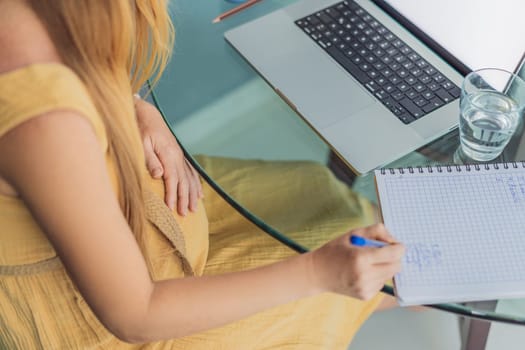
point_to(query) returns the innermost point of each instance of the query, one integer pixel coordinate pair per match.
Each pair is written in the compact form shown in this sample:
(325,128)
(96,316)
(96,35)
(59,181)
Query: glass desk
(217,105)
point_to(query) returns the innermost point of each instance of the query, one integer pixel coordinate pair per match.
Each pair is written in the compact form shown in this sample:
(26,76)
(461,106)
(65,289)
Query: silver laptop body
(359,128)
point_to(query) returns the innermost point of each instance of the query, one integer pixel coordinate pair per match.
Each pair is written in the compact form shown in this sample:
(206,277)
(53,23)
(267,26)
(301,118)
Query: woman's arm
(56,165)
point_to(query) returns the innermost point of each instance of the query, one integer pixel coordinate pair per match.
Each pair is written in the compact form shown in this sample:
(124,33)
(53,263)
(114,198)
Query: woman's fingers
(193,190)
(153,163)
(171,175)
(196,178)
(182,185)
(377,232)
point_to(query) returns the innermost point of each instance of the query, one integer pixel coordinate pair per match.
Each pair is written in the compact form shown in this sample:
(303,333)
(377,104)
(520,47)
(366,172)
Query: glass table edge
(454,308)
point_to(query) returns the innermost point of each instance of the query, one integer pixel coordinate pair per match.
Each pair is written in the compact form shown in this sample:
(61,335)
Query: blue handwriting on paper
(423,255)
(515,185)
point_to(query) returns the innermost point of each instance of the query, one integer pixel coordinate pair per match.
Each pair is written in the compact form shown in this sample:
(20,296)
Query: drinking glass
(491,105)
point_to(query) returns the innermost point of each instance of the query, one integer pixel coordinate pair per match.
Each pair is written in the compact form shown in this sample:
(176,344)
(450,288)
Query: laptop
(377,79)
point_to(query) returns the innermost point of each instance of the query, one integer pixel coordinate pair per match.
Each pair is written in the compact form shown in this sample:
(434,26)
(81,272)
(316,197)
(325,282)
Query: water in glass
(487,121)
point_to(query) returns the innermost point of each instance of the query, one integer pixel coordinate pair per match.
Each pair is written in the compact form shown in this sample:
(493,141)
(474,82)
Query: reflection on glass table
(218,106)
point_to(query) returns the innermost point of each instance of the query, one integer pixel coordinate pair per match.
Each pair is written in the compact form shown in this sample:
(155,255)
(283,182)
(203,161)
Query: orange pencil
(235,10)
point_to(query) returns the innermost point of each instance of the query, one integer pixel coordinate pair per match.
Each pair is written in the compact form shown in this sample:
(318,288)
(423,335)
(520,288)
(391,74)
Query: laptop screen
(479,33)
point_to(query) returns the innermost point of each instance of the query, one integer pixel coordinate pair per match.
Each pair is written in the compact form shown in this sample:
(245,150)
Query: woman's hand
(360,272)
(164,158)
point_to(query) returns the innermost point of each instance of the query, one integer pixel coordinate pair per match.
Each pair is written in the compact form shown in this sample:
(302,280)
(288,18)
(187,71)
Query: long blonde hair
(114,46)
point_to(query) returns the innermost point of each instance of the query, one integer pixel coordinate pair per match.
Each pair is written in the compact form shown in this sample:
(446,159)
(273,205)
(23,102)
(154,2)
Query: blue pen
(365,242)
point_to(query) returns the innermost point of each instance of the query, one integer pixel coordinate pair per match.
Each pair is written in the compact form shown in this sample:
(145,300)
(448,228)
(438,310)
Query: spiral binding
(452,168)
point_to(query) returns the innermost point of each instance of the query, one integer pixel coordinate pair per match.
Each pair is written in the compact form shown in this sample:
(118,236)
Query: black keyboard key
(430,70)
(354,70)
(372,86)
(325,44)
(370,58)
(419,87)
(381,94)
(412,108)
(395,66)
(309,30)
(379,65)
(382,44)
(365,67)
(421,101)
(340,7)
(416,72)
(367,18)
(398,95)
(321,27)
(379,52)
(333,12)
(400,58)
(428,95)
(402,73)
(405,50)
(406,118)
(447,85)
(328,34)
(349,53)
(323,17)
(313,20)
(373,74)
(351,5)
(357,60)
(302,23)
(425,79)
(444,95)
(335,40)
(370,46)
(435,103)
(389,88)
(382,81)
(455,91)
(346,38)
(414,57)
(394,79)
(389,103)
(392,51)
(382,30)
(398,43)
(316,36)
(408,65)
(403,86)
(389,36)
(387,72)
(411,80)
(422,64)
(387,60)
(411,94)
(439,78)
(433,86)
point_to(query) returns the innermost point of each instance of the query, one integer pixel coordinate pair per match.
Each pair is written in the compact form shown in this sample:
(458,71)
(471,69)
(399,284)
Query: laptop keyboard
(401,79)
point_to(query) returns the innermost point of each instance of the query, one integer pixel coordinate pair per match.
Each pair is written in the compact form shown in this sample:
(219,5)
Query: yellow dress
(40,307)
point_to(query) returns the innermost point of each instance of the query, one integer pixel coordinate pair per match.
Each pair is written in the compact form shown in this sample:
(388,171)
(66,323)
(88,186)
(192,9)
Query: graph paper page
(464,232)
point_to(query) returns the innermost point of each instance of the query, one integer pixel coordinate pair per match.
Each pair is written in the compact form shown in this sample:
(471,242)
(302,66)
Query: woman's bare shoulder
(23,38)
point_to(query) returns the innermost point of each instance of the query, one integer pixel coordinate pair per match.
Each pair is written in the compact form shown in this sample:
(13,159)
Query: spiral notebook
(463,228)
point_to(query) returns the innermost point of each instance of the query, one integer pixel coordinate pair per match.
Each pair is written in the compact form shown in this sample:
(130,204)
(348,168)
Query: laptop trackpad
(328,96)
